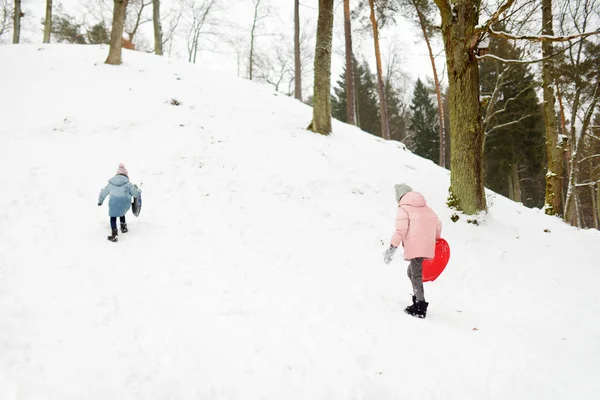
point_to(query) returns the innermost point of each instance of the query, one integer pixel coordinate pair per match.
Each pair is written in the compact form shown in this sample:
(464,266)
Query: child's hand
(389,254)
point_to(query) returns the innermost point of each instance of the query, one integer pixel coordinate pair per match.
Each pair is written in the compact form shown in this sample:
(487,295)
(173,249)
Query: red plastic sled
(433,268)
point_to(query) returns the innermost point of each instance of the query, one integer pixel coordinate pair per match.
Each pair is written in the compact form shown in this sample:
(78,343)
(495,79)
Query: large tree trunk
(350,97)
(48,22)
(466,125)
(297,61)
(158,34)
(438,91)
(17,22)
(321,122)
(385,129)
(554,146)
(116,34)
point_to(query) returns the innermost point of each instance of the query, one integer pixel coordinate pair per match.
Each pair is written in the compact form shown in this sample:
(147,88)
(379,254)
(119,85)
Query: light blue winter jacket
(121,191)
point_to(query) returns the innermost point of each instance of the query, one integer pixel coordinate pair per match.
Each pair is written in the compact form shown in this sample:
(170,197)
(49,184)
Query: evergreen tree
(98,34)
(424,124)
(514,144)
(396,113)
(367,109)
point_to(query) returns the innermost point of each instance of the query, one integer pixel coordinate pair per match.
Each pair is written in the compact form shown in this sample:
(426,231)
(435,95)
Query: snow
(255,269)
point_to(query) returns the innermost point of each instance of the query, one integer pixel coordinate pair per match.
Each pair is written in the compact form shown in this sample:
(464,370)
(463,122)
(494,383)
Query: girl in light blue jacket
(121,191)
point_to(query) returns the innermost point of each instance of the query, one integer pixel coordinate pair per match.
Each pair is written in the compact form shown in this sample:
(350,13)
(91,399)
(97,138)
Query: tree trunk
(436,80)
(594,206)
(511,187)
(554,146)
(385,129)
(297,61)
(48,22)
(251,57)
(116,34)
(17,22)
(516,183)
(158,34)
(466,125)
(350,97)
(598,204)
(321,122)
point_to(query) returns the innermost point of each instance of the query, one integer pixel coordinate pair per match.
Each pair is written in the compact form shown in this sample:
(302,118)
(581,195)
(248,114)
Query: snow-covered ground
(255,270)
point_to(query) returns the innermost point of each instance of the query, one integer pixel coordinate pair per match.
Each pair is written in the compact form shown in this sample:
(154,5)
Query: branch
(508,102)
(588,157)
(587,184)
(507,124)
(497,86)
(495,16)
(541,38)
(495,57)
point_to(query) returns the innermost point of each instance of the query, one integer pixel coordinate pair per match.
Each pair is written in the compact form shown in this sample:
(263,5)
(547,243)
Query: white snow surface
(255,269)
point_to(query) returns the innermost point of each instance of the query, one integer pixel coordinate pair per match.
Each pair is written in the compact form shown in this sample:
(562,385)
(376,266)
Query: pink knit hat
(122,170)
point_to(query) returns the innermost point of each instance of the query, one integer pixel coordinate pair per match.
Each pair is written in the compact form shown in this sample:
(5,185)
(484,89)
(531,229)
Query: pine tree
(397,113)
(514,143)
(367,108)
(424,123)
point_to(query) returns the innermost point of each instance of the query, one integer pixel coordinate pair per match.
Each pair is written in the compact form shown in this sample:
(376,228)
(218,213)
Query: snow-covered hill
(255,268)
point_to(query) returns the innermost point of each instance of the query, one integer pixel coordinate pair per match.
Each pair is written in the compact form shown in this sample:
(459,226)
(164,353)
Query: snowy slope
(255,268)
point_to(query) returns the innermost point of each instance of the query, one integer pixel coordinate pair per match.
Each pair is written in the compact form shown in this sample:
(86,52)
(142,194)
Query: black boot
(124,228)
(113,237)
(412,308)
(421,309)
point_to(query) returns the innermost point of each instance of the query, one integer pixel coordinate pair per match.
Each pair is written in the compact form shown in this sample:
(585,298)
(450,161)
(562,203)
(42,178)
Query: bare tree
(136,18)
(385,128)
(580,77)
(17,22)
(261,11)
(201,23)
(173,18)
(116,35)
(48,22)
(321,122)
(277,65)
(277,70)
(350,95)
(297,59)
(6,12)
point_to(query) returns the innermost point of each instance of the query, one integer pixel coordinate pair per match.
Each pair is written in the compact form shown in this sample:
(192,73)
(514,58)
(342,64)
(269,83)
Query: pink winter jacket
(417,227)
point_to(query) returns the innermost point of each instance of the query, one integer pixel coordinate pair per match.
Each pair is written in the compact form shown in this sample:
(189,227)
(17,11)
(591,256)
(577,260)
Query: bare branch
(508,102)
(510,61)
(541,38)
(507,124)
(495,16)
(589,157)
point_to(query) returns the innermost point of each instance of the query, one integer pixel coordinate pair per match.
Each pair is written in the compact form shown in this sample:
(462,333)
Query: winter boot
(113,237)
(421,309)
(412,308)
(124,228)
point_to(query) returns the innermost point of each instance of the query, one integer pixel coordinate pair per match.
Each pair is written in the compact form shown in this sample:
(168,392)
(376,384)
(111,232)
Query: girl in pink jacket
(417,228)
